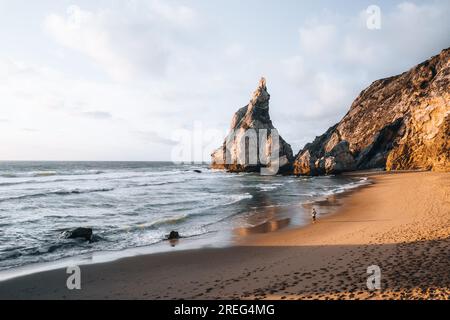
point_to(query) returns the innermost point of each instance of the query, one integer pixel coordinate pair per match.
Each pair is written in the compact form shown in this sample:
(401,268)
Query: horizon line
(174,162)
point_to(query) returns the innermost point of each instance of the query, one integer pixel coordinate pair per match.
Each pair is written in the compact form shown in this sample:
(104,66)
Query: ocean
(136,204)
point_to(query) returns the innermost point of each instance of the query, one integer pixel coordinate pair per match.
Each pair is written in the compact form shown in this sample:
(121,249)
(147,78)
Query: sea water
(136,204)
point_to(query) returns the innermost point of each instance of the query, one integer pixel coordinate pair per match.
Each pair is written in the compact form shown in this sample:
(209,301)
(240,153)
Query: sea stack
(253,144)
(397,123)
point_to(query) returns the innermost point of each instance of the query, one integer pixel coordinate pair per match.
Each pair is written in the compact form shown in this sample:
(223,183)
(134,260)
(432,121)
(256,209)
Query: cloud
(317,39)
(100,115)
(135,39)
(156,138)
(13,68)
(234,50)
(295,69)
(176,15)
(85,32)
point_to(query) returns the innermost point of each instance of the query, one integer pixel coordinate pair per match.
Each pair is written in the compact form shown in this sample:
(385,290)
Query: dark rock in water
(241,153)
(95,238)
(397,123)
(198,171)
(173,235)
(79,233)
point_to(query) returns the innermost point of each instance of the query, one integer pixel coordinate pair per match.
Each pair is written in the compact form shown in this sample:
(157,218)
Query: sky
(135,80)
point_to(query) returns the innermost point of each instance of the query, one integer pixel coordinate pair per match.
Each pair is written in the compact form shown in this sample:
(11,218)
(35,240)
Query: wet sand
(401,224)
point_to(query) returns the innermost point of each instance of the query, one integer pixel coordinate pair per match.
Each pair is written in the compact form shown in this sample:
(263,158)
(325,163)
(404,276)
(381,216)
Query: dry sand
(401,224)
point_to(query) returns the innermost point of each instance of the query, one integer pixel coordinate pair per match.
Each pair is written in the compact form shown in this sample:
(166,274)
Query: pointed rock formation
(398,123)
(253,142)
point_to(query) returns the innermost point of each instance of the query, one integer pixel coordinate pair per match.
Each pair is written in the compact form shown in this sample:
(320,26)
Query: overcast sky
(118,80)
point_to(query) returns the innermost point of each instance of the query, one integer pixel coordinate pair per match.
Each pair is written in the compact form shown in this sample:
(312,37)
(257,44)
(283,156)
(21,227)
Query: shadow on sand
(408,270)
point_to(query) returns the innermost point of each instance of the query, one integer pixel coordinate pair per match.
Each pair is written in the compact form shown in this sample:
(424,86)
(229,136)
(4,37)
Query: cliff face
(253,142)
(398,123)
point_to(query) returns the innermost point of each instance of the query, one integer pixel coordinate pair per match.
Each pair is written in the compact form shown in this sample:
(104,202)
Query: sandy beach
(400,223)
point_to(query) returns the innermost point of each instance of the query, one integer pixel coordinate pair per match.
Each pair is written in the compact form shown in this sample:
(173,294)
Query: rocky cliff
(253,143)
(397,123)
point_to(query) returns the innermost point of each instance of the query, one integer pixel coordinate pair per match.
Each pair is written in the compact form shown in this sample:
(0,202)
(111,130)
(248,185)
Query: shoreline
(326,260)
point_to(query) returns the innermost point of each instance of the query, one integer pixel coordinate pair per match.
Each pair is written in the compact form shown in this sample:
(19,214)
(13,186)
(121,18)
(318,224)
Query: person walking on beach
(313,214)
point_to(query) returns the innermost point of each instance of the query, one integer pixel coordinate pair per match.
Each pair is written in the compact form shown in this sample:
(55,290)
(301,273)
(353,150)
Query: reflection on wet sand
(331,202)
(324,206)
(268,226)
(274,218)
